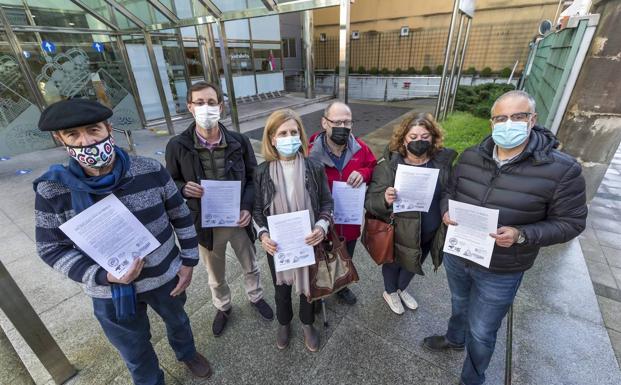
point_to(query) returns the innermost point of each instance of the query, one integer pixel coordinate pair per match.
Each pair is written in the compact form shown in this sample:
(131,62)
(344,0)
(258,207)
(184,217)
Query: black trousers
(398,278)
(284,307)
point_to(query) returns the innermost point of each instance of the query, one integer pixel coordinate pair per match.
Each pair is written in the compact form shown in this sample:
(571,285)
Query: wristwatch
(521,238)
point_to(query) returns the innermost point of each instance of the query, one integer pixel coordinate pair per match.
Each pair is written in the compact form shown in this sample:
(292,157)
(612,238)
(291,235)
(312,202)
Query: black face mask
(419,147)
(340,135)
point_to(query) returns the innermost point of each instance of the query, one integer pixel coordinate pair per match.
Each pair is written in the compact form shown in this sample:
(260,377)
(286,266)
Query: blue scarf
(83,187)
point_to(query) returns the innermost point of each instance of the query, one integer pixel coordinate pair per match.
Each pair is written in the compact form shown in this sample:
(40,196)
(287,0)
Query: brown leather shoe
(311,337)
(199,366)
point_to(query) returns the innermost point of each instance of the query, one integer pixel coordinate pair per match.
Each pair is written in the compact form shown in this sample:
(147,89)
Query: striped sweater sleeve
(53,246)
(180,219)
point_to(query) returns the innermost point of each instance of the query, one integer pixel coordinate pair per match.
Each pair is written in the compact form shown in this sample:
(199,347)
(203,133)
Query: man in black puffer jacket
(540,195)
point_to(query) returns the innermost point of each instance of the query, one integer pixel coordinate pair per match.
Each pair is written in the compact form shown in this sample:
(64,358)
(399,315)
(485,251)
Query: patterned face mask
(96,155)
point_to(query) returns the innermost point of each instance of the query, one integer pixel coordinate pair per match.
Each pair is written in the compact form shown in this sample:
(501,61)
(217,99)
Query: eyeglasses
(341,123)
(517,117)
(202,103)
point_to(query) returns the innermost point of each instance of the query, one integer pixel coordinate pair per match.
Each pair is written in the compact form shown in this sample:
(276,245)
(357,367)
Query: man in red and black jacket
(346,159)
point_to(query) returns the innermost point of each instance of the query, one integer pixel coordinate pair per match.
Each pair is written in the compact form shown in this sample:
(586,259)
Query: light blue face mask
(510,134)
(288,146)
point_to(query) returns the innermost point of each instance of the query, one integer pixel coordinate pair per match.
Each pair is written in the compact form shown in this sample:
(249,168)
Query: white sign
(288,231)
(415,188)
(348,203)
(220,203)
(467,7)
(470,239)
(110,235)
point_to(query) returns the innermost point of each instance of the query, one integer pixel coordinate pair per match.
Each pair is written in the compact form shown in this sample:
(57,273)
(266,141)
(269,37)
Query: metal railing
(128,137)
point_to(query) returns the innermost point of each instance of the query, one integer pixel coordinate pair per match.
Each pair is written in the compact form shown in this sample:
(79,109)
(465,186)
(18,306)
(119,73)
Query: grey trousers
(215,262)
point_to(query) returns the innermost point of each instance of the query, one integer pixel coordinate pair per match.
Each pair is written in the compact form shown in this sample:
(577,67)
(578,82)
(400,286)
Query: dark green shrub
(385,71)
(361,70)
(439,70)
(398,71)
(470,71)
(486,72)
(412,71)
(505,72)
(426,70)
(374,71)
(478,100)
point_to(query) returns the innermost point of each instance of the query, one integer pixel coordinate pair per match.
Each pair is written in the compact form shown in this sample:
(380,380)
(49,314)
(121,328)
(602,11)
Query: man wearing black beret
(96,169)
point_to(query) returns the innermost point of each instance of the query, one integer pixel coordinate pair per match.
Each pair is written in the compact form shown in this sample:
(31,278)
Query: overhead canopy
(145,15)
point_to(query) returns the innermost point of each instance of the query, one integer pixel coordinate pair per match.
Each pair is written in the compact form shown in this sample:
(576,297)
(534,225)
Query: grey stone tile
(616,272)
(601,212)
(609,239)
(17,246)
(81,339)
(608,224)
(576,344)
(565,262)
(43,286)
(126,379)
(592,251)
(588,234)
(615,339)
(610,312)
(612,255)
(607,291)
(601,274)
(379,362)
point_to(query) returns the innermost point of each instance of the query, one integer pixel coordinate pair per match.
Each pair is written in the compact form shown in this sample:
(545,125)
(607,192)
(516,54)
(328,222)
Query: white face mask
(207,116)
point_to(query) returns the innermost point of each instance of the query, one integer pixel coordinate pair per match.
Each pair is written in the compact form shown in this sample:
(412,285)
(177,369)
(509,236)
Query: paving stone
(601,273)
(615,339)
(608,224)
(606,238)
(612,255)
(610,312)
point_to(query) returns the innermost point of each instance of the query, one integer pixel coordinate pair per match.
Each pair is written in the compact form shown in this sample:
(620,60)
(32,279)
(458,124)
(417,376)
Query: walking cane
(509,352)
(323,310)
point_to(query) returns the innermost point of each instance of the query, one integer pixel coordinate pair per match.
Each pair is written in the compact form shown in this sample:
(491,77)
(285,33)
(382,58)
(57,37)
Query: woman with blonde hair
(289,181)
(416,142)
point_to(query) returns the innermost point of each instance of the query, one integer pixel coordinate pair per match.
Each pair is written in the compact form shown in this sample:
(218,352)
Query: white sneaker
(408,300)
(394,302)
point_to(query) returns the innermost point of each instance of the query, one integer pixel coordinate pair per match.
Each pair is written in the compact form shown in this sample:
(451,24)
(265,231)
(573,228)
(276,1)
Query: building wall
(501,31)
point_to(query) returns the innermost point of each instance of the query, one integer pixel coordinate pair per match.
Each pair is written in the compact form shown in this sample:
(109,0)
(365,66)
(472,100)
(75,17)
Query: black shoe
(440,344)
(347,296)
(219,322)
(264,309)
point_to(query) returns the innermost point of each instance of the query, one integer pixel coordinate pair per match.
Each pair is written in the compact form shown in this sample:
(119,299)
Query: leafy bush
(426,70)
(505,72)
(398,71)
(470,71)
(439,69)
(361,70)
(374,71)
(463,130)
(412,71)
(385,71)
(486,72)
(478,100)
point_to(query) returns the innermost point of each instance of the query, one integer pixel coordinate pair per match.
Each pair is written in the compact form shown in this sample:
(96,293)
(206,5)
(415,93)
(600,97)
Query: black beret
(73,113)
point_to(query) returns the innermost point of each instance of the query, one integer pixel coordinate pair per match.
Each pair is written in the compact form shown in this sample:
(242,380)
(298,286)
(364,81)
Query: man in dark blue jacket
(540,194)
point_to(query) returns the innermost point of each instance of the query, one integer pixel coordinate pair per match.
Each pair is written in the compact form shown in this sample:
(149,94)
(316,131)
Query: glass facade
(52,50)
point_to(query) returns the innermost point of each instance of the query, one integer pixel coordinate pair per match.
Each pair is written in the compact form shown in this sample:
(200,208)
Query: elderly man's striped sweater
(152,196)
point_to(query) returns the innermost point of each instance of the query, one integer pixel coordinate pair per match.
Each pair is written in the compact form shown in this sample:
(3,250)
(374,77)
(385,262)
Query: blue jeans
(133,338)
(480,300)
